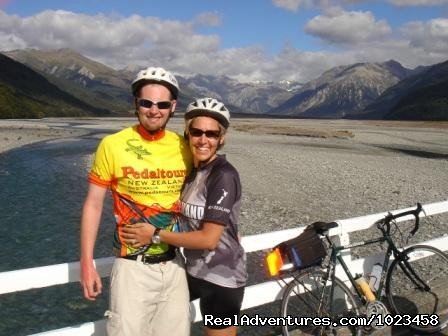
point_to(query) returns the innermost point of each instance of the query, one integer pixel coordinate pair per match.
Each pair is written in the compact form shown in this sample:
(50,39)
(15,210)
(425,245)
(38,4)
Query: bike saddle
(322,227)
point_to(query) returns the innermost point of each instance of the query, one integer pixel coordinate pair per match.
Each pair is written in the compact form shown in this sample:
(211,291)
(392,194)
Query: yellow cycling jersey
(147,171)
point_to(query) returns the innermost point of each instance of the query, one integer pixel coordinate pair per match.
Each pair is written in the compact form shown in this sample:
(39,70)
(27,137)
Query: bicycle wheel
(308,296)
(408,296)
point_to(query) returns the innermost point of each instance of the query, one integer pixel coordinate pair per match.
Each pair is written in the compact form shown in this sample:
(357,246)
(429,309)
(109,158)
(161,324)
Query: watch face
(156,238)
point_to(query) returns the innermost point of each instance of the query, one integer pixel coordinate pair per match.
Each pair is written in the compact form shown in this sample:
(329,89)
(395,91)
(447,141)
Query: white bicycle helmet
(156,75)
(209,107)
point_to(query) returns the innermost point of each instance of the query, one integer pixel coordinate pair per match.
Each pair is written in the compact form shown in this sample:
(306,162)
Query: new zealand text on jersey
(154,182)
(152,174)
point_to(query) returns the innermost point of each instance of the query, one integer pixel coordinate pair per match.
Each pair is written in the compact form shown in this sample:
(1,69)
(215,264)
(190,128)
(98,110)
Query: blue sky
(247,40)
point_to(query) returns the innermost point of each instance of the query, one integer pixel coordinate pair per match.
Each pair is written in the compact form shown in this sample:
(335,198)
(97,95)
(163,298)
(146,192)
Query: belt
(153,259)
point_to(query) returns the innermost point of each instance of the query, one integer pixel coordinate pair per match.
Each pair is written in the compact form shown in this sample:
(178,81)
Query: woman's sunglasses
(211,134)
(162,105)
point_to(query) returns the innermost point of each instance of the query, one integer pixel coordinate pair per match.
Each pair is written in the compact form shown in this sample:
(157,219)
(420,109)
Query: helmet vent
(156,75)
(209,107)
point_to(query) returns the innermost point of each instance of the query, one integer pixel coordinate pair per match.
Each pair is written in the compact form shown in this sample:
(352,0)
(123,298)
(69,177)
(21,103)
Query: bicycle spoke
(308,297)
(418,287)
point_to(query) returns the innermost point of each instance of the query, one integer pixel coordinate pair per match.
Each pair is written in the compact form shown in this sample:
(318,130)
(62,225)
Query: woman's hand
(138,234)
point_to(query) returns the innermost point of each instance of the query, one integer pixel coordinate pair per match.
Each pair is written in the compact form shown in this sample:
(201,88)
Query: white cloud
(10,38)
(293,5)
(142,41)
(116,40)
(404,3)
(418,2)
(209,19)
(341,27)
(11,41)
(431,36)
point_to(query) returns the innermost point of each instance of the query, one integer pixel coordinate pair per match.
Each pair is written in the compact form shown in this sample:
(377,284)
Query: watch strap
(156,234)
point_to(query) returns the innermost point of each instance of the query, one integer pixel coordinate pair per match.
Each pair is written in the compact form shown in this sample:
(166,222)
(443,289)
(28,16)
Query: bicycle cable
(400,235)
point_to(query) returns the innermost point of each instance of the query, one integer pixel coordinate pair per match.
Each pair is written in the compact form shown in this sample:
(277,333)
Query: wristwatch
(156,237)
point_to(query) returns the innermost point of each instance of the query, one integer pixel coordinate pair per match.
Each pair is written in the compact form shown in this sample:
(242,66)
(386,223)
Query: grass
(292,130)
(320,128)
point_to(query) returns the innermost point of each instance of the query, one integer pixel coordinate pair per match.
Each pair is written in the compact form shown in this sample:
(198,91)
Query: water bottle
(364,287)
(375,276)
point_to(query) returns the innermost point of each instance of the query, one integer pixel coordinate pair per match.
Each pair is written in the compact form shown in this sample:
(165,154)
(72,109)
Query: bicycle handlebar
(390,217)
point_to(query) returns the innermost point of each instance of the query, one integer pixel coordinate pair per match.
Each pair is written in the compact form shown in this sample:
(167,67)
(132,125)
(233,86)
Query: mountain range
(358,91)
(343,90)
(421,96)
(87,80)
(25,93)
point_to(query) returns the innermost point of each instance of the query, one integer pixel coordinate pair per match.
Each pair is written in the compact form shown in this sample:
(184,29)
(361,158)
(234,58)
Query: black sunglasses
(162,105)
(196,132)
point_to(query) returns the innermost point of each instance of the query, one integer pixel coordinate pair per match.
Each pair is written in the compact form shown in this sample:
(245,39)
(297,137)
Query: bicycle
(414,287)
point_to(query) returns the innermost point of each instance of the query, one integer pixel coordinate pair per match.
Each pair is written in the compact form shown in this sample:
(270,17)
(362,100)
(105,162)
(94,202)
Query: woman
(210,206)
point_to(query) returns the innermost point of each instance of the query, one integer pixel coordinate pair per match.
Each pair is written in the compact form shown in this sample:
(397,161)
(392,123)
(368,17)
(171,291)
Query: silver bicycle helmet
(209,107)
(156,75)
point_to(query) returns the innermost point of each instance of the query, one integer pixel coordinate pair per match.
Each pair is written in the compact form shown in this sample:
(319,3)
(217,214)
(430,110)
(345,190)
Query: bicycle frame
(336,258)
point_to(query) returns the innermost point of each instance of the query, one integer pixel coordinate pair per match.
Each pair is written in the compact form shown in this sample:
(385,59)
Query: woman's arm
(207,237)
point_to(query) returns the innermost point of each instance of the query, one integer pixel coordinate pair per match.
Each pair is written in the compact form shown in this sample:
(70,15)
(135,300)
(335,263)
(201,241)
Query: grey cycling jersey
(213,194)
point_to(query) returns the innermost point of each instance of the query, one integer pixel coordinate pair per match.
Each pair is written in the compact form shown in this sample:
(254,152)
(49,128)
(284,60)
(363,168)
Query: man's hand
(90,221)
(137,235)
(90,281)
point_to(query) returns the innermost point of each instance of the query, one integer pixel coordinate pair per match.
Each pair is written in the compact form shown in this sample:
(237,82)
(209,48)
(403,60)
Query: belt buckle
(150,260)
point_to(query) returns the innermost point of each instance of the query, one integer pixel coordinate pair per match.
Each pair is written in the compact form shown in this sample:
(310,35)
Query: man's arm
(90,221)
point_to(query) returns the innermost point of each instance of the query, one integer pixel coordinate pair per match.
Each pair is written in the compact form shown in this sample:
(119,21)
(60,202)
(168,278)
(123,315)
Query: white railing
(255,295)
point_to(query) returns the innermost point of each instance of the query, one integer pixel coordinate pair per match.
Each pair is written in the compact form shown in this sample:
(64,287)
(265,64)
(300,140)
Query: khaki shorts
(148,299)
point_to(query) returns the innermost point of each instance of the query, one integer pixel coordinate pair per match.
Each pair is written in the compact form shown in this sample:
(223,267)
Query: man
(211,200)
(144,166)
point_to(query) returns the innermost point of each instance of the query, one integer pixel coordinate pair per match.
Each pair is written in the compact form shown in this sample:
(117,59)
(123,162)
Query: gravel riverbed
(291,181)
